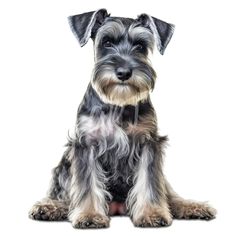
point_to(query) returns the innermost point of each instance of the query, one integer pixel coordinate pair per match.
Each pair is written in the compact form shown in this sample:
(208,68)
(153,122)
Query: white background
(44,74)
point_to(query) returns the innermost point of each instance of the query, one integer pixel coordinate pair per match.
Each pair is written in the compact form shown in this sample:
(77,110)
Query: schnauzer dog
(113,163)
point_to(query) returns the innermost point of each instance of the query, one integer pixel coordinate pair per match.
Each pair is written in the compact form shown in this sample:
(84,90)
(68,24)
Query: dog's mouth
(122,84)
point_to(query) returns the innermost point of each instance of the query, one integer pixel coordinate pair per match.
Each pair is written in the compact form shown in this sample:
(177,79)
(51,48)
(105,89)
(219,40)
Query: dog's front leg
(88,207)
(147,201)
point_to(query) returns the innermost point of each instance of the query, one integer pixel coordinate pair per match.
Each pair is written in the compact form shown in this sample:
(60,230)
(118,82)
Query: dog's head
(123,74)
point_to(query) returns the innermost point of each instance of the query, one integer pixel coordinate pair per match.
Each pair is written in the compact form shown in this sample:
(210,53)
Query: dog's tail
(187,209)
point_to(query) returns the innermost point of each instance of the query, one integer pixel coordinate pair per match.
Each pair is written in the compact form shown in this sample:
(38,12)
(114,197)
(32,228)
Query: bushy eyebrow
(111,29)
(141,34)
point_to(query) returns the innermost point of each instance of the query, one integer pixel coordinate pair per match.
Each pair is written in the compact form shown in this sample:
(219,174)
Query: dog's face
(123,74)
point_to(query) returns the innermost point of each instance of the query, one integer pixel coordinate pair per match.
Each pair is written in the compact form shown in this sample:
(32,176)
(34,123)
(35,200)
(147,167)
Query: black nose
(123,73)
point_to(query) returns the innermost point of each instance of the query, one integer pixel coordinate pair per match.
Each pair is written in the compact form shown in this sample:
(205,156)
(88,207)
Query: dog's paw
(184,209)
(199,211)
(86,221)
(48,212)
(154,219)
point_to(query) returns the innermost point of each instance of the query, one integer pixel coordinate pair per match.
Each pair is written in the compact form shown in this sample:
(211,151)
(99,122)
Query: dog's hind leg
(55,206)
(188,209)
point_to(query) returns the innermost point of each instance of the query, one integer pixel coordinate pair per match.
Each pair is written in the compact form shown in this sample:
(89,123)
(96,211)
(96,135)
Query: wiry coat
(115,137)
(115,157)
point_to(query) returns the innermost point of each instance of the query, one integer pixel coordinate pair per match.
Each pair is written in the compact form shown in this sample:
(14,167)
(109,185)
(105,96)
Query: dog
(113,163)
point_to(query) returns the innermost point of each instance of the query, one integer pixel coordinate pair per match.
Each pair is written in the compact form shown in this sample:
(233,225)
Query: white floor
(120,226)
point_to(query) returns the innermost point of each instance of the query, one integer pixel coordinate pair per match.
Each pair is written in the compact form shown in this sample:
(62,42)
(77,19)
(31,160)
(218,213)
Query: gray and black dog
(113,164)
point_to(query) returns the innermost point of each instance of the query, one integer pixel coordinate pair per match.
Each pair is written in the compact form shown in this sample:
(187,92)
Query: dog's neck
(92,105)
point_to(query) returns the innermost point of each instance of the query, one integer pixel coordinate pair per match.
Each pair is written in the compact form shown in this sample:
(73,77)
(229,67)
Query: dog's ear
(85,25)
(162,31)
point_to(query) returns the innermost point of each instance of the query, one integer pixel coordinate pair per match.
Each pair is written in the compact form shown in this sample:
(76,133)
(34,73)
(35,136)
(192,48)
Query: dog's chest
(117,146)
(108,129)
(102,129)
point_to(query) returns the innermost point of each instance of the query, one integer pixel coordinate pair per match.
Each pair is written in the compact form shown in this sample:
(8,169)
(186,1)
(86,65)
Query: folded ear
(162,31)
(85,25)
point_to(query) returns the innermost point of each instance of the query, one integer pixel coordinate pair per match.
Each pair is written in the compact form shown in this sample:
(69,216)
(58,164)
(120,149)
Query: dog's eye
(139,46)
(107,44)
